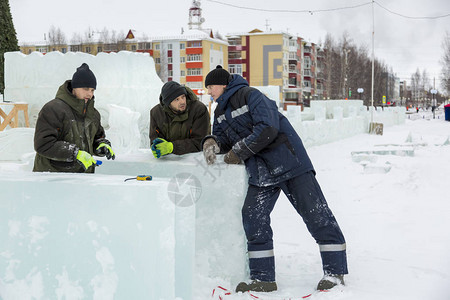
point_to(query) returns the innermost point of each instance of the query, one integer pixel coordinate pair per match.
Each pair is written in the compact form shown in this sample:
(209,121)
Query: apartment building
(277,58)
(189,57)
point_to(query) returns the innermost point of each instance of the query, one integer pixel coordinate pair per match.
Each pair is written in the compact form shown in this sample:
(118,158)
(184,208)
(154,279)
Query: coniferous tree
(8,38)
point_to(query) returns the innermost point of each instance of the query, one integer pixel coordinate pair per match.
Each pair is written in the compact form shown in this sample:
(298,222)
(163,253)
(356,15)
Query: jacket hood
(65,94)
(235,84)
(190,97)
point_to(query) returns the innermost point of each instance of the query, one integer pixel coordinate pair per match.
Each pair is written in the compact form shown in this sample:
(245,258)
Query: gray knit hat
(170,91)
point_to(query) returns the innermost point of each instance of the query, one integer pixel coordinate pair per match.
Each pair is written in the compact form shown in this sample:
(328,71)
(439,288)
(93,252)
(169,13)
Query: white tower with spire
(195,15)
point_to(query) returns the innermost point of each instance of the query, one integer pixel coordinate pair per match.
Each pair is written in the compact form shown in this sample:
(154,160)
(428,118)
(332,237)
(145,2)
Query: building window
(88,49)
(170,73)
(194,72)
(169,46)
(292,96)
(157,47)
(306,83)
(194,44)
(63,50)
(99,49)
(212,47)
(307,62)
(194,57)
(157,60)
(169,60)
(234,54)
(235,42)
(194,84)
(182,59)
(182,73)
(133,47)
(182,46)
(235,69)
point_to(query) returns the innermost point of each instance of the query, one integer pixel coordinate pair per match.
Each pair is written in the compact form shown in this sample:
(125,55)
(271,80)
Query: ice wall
(331,120)
(125,79)
(94,236)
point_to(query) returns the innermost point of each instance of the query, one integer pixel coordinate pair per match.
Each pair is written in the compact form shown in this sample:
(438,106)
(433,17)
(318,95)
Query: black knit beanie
(84,77)
(170,91)
(218,76)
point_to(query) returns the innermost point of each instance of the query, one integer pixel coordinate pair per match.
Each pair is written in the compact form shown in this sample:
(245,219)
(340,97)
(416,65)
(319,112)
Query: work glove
(231,158)
(210,148)
(85,159)
(104,149)
(161,147)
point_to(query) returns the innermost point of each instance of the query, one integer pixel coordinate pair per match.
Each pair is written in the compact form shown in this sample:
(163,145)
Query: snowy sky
(400,41)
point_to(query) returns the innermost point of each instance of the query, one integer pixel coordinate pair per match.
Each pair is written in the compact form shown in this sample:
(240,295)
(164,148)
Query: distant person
(179,122)
(68,129)
(249,128)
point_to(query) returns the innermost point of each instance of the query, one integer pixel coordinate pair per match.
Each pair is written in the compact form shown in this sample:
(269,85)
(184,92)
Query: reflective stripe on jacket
(248,122)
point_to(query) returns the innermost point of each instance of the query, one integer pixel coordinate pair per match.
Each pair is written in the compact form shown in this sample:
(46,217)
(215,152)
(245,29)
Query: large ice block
(94,236)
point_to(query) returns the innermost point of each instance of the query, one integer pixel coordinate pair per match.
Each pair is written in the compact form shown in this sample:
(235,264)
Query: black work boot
(257,286)
(329,281)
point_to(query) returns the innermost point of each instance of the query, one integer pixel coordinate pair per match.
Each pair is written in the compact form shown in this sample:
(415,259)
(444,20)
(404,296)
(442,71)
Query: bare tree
(76,41)
(445,61)
(416,80)
(56,36)
(104,36)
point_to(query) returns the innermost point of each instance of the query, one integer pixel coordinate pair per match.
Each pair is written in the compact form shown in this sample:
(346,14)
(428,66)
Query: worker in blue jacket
(249,128)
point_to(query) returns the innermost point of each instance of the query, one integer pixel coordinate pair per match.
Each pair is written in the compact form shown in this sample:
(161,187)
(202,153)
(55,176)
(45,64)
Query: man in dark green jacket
(179,122)
(68,129)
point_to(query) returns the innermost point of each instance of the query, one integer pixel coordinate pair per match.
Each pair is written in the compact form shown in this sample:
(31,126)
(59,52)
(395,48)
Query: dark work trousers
(307,198)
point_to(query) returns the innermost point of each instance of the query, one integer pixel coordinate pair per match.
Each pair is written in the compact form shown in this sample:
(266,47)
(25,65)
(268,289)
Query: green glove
(85,159)
(105,149)
(164,147)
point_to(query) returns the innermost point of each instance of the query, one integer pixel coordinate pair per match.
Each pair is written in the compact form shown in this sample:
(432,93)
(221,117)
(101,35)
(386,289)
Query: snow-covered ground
(396,224)
(390,195)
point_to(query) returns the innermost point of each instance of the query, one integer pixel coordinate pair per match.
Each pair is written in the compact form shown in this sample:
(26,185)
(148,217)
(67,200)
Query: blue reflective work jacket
(250,124)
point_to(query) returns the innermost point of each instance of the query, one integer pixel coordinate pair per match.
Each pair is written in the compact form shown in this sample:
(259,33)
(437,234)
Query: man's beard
(178,112)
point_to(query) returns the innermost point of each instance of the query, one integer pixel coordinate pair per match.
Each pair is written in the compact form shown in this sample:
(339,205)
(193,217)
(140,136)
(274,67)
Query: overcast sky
(403,43)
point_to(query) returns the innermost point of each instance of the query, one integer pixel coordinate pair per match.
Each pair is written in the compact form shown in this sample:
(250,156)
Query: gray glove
(231,158)
(210,148)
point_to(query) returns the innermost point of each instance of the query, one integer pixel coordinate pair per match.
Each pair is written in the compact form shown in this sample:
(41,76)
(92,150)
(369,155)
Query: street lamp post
(360,91)
(433,101)
(201,93)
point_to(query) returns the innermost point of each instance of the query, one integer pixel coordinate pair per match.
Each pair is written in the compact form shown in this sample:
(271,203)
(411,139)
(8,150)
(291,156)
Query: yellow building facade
(265,59)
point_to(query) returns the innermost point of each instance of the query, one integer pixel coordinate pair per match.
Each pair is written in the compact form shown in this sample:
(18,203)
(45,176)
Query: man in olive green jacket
(179,122)
(68,129)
